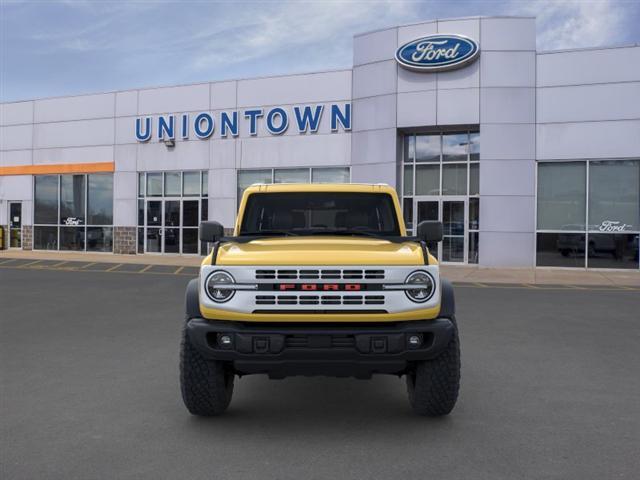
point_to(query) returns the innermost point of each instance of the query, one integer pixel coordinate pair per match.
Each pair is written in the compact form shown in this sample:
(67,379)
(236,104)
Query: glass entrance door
(171,230)
(453,213)
(153,223)
(15,224)
(171,226)
(453,230)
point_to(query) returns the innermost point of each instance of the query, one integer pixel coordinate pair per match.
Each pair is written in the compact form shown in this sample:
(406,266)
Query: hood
(320,251)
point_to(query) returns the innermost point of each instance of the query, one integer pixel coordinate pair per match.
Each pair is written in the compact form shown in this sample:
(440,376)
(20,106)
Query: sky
(68,47)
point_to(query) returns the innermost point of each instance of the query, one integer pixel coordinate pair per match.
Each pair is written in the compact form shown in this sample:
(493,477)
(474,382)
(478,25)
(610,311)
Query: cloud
(313,26)
(573,24)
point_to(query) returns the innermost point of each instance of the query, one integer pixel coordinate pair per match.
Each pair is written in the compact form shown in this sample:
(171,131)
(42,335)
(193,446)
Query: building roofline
(583,49)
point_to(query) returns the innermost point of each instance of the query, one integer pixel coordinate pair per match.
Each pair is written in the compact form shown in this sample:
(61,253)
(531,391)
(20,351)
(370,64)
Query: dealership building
(528,158)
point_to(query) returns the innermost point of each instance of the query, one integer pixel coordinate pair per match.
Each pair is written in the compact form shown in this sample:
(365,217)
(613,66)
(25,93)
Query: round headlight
(215,286)
(425,287)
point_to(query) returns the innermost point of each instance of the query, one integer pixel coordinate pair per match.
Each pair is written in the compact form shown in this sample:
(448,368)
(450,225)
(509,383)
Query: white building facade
(529,158)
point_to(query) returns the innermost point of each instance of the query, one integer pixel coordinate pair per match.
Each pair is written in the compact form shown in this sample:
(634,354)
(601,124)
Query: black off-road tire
(434,384)
(206,385)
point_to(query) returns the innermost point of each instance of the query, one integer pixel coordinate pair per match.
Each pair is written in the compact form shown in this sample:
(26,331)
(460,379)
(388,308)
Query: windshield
(320,213)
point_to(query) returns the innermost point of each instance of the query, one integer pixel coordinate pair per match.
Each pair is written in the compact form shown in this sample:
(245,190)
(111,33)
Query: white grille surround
(258,291)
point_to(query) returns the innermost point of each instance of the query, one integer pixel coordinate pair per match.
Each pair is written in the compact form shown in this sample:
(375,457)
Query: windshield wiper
(363,233)
(268,233)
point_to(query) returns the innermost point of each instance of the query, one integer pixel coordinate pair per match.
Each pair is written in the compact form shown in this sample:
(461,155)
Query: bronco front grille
(320,274)
(320,300)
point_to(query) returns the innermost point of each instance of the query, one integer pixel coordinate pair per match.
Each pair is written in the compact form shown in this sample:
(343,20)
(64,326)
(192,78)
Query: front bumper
(341,350)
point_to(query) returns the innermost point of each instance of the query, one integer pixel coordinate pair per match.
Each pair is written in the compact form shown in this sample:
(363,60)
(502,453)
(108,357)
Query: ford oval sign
(436,53)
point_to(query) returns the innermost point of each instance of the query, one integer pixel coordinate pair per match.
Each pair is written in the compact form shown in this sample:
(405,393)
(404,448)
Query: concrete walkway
(456,273)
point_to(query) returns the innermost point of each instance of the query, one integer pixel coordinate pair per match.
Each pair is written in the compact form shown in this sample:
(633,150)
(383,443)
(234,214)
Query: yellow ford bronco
(320,279)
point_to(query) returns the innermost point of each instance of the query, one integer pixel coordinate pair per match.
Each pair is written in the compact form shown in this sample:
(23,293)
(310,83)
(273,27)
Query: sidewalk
(456,273)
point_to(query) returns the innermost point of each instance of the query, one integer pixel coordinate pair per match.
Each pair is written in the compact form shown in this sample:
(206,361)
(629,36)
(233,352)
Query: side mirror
(430,231)
(211,232)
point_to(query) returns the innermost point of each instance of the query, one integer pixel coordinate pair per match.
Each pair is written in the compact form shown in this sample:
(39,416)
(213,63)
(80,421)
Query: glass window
(613,250)
(100,199)
(71,238)
(409,148)
(99,239)
(474,214)
(427,148)
(408,180)
(140,213)
(473,247)
(172,184)
(561,196)
(291,175)
(171,238)
(453,249)
(190,240)
(330,175)
(317,213)
(407,212)
(474,146)
(455,147)
(454,179)
(614,196)
(246,178)
(172,213)
(190,213)
(191,184)
(45,208)
(72,201)
(140,240)
(205,184)
(141,184)
(154,184)
(560,249)
(474,179)
(427,179)
(45,238)
(204,210)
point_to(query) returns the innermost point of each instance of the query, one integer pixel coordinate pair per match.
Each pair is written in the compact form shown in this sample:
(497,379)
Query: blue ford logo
(436,53)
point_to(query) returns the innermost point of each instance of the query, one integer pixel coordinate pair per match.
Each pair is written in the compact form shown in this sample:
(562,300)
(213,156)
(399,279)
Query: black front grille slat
(334,341)
(322,274)
(319,300)
(265,299)
(374,300)
(265,274)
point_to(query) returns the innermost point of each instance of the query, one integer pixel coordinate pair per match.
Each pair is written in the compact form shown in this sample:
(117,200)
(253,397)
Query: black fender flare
(447,300)
(192,301)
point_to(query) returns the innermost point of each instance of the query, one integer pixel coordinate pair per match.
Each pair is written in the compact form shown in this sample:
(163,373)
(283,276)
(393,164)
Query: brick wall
(27,237)
(124,240)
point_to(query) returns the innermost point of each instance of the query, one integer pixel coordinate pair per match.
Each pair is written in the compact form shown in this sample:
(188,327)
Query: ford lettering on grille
(323,287)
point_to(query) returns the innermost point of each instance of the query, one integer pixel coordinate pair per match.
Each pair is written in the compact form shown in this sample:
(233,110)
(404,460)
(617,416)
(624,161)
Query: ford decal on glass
(435,53)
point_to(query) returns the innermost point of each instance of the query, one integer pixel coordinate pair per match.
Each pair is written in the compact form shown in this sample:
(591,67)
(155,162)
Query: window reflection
(427,148)
(455,147)
(85,206)
(612,199)
(45,207)
(560,249)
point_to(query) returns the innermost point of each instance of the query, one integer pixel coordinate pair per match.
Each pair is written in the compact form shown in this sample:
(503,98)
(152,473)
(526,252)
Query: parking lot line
(59,264)
(178,270)
(29,264)
(145,268)
(113,268)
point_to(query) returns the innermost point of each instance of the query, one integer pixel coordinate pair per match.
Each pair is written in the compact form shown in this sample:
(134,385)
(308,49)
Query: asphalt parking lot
(89,389)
